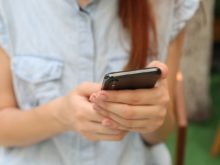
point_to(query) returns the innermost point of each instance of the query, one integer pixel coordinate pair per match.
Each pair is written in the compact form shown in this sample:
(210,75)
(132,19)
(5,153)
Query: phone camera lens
(113,84)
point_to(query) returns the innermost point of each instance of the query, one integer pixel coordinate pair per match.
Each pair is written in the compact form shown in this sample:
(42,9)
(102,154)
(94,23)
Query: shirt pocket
(36,79)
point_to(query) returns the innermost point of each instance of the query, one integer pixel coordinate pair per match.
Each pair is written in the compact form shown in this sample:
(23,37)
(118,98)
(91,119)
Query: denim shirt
(53,46)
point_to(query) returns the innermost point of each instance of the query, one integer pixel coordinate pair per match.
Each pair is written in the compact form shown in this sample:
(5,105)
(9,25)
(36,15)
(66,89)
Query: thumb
(163,67)
(87,88)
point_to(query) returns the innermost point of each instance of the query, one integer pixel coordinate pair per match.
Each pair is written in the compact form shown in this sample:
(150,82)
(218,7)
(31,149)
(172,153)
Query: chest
(54,51)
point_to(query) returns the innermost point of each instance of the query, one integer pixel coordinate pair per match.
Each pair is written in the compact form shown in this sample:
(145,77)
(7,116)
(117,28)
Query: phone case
(136,79)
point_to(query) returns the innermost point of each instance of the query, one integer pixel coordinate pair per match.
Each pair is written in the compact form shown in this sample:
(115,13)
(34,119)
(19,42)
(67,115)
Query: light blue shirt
(53,46)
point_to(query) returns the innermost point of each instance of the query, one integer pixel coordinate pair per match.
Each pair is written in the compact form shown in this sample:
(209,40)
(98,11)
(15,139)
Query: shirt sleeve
(183,11)
(4,38)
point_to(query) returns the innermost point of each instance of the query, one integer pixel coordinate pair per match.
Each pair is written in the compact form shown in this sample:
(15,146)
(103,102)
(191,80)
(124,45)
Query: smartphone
(135,79)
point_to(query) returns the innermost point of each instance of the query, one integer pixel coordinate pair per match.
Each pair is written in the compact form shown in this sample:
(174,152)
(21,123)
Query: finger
(129,112)
(93,97)
(151,96)
(107,121)
(138,127)
(161,66)
(100,129)
(164,72)
(87,112)
(143,130)
(87,88)
(103,137)
(130,123)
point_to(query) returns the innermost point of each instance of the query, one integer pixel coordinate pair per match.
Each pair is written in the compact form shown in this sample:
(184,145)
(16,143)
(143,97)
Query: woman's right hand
(77,114)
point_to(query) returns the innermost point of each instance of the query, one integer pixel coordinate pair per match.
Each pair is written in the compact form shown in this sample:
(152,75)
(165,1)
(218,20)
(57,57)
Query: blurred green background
(217,7)
(200,136)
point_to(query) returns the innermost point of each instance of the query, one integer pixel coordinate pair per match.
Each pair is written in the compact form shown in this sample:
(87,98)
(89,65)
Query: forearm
(164,131)
(21,128)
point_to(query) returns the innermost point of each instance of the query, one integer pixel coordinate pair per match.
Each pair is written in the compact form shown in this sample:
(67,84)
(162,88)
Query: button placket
(86,48)
(86,70)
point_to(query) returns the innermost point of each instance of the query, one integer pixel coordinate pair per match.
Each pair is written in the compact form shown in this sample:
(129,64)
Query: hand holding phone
(142,111)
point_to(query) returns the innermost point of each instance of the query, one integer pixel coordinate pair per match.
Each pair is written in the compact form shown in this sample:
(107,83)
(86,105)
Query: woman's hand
(142,110)
(77,114)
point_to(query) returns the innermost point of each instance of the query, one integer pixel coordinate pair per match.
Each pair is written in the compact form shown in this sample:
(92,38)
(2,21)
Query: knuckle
(166,98)
(162,114)
(158,93)
(162,98)
(134,99)
(128,112)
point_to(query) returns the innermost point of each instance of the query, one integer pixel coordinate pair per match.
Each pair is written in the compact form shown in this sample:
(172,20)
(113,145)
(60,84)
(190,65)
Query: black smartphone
(135,79)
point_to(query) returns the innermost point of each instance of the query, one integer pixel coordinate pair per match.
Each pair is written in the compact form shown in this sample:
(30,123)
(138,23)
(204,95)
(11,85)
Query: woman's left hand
(141,110)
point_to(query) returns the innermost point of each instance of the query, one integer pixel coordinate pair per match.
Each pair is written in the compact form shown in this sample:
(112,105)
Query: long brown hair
(138,19)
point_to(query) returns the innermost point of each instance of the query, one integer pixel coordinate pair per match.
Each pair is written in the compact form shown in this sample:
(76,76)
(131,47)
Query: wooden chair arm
(180,110)
(216,144)
(181,120)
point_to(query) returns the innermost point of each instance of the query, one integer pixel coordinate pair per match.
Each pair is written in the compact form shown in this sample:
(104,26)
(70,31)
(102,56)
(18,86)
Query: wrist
(56,112)
(150,139)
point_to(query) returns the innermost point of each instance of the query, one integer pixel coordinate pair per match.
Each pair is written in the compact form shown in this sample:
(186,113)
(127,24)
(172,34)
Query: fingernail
(102,95)
(92,98)
(107,122)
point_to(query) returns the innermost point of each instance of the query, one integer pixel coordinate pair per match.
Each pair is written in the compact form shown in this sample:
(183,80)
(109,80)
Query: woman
(49,115)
